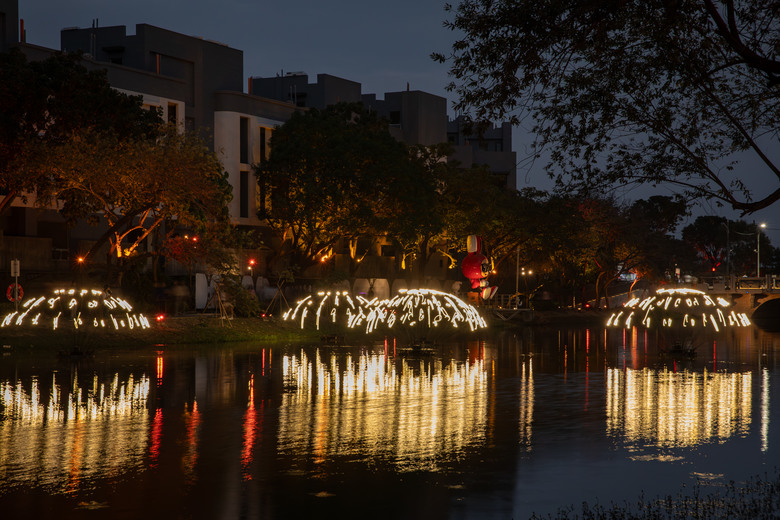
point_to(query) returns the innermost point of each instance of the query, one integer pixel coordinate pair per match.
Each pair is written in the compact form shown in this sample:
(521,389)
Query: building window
(243,195)
(244,140)
(172,113)
(395,117)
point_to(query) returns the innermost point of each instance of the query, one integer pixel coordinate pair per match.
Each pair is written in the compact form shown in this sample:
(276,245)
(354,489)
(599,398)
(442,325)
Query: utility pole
(758,249)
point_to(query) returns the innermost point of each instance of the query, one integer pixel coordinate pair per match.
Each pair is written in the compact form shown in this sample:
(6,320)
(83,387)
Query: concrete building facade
(415,117)
(197,85)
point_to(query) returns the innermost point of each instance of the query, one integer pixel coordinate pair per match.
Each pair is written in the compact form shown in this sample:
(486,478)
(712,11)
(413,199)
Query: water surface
(500,426)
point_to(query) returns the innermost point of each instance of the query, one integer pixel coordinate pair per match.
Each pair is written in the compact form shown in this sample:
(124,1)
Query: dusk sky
(382,45)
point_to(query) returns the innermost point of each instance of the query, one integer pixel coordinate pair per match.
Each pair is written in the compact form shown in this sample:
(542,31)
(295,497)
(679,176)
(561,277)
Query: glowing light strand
(414,307)
(86,307)
(678,307)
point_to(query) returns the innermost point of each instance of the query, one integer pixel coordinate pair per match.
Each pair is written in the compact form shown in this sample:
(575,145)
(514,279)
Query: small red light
(160,317)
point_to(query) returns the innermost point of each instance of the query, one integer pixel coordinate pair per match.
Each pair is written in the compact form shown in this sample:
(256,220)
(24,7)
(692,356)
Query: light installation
(419,308)
(679,308)
(83,308)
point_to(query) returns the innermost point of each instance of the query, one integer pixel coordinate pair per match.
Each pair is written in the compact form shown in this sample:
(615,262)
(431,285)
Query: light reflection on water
(677,409)
(410,413)
(76,431)
(517,423)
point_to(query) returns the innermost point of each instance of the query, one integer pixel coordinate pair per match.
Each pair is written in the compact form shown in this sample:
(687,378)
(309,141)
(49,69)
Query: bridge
(746,294)
(757,297)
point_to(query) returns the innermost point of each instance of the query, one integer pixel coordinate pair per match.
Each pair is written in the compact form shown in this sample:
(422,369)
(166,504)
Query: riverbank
(179,330)
(210,328)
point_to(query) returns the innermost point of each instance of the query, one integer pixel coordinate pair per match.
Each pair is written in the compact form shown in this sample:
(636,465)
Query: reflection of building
(678,408)
(409,412)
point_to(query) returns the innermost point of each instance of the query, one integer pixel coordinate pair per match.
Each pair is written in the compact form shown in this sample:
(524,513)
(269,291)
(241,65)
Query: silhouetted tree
(682,93)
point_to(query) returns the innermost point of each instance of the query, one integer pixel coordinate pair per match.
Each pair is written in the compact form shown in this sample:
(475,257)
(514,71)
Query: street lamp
(728,251)
(758,248)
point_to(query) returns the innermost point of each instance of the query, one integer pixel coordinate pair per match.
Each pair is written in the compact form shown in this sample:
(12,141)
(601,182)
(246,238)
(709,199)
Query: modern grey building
(9,24)
(207,86)
(491,146)
(294,87)
(415,117)
(195,83)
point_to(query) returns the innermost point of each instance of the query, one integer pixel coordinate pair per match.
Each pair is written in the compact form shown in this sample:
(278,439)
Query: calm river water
(518,422)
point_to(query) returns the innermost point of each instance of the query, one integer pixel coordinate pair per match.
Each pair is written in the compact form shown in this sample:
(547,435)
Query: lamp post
(728,250)
(758,248)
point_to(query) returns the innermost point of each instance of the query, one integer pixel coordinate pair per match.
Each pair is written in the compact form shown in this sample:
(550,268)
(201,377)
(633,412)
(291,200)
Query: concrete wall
(9,20)
(33,253)
(201,66)
(295,88)
(260,114)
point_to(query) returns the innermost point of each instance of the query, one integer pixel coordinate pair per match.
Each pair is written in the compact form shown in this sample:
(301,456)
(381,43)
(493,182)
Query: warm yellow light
(409,308)
(676,300)
(77,301)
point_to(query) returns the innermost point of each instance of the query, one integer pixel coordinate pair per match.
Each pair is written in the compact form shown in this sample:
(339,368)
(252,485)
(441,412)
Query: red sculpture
(476,268)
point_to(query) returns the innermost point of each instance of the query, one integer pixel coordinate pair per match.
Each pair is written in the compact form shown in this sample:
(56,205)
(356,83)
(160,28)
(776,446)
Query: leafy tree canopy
(135,184)
(333,174)
(727,246)
(636,91)
(50,101)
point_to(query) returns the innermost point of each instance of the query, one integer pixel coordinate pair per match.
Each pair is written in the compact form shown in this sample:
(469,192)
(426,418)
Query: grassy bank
(196,328)
(756,499)
(208,328)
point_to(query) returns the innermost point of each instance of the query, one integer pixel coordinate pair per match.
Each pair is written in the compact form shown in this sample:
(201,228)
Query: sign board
(14,268)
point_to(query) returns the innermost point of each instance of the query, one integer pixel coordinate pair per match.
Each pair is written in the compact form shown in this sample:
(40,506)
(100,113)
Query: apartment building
(209,96)
(198,84)
(195,83)
(415,117)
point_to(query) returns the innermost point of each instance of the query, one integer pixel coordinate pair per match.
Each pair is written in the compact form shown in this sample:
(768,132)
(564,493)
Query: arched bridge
(757,296)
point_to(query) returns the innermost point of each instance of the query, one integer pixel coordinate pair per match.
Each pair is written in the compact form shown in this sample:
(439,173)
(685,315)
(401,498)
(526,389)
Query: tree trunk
(9,198)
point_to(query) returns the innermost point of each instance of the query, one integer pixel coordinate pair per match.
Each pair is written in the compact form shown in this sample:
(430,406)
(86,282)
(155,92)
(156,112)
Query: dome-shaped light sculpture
(83,308)
(334,307)
(679,308)
(430,308)
(415,307)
